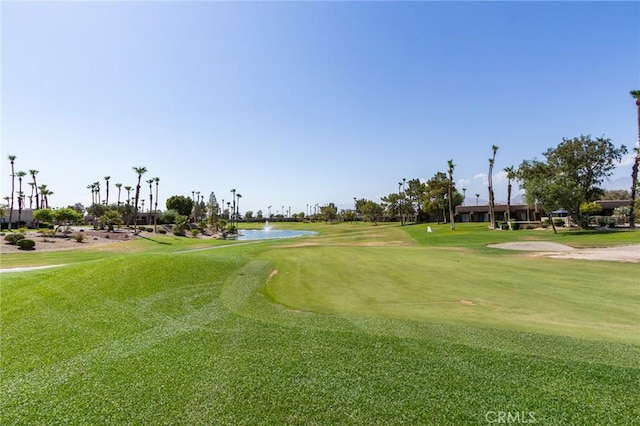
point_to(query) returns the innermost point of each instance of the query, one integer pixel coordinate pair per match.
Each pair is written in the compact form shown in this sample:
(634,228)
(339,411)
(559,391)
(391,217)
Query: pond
(269,233)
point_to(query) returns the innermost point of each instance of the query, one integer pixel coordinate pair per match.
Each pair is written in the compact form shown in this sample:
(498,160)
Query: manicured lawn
(360,325)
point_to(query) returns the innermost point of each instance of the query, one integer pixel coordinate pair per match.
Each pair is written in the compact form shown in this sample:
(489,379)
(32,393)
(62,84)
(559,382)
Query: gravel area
(67,242)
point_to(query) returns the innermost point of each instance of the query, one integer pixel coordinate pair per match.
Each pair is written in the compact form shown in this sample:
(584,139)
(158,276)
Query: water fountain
(267,232)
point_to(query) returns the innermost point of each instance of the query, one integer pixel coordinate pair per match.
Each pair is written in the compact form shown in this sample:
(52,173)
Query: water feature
(267,232)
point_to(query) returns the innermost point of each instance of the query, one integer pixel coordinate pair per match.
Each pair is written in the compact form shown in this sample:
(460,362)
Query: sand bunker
(628,253)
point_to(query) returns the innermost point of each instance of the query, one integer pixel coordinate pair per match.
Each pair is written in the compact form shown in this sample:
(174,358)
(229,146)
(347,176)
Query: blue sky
(297,104)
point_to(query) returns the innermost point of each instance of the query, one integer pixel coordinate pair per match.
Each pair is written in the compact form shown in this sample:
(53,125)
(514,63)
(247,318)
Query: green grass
(360,325)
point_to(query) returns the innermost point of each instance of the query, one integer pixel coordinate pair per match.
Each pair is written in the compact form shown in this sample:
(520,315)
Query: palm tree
(140,171)
(238,196)
(20,175)
(451,219)
(492,202)
(91,188)
(106,178)
(119,186)
(477,198)
(511,175)
(399,205)
(464,195)
(150,182)
(96,186)
(155,207)
(128,189)
(634,169)
(33,174)
(12,159)
(44,196)
(32,185)
(233,192)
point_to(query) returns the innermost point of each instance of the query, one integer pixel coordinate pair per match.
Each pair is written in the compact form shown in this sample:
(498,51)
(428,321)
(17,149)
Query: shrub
(13,238)
(178,233)
(79,237)
(149,229)
(25,244)
(46,232)
(558,222)
(195,232)
(514,225)
(162,231)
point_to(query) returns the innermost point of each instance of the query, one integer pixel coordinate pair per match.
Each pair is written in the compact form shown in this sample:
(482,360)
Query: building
(525,212)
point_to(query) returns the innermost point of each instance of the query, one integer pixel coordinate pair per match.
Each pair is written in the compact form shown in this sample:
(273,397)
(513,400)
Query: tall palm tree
(399,204)
(12,159)
(238,196)
(20,175)
(150,182)
(139,171)
(106,178)
(44,196)
(155,207)
(33,174)
(32,185)
(464,196)
(119,186)
(128,189)
(492,202)
(477,198)
(90,188)
(511,175)
(199,209)
(43,193)
(634,169)
(450,188)
(233,192)
(96,186)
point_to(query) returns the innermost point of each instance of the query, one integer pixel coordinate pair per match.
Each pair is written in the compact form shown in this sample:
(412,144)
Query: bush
(162,231)
(13,238)
(149,229)
(46,232)
(25,244)
(514,225)
(79,237)
(558,222)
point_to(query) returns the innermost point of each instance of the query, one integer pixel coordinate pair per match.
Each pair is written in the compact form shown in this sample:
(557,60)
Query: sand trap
(31,268)
(628,253)
(532,246)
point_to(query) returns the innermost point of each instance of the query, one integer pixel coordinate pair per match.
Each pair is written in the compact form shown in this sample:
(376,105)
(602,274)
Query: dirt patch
(628,253)
(274,272)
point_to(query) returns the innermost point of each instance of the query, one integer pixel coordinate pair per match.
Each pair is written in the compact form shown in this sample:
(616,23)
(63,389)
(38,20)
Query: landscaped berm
(358,324)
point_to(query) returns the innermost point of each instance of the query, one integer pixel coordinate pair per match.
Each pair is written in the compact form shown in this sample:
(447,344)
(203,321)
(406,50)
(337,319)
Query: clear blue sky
(303,103)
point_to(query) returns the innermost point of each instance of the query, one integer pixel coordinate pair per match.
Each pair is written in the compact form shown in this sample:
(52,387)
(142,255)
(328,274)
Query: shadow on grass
(164,243)
(592,232)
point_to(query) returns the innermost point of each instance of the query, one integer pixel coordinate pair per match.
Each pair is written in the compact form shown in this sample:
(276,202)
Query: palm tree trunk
(13,183)
(509,201)
(634,170)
